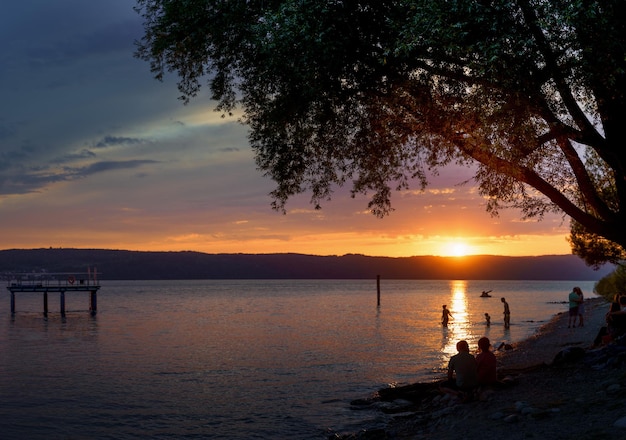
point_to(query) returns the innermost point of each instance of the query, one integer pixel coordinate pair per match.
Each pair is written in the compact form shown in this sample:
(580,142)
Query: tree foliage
(377,93)
(612,284)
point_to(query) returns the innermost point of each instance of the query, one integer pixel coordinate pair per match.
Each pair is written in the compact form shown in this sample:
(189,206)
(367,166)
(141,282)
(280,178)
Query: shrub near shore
(613,283)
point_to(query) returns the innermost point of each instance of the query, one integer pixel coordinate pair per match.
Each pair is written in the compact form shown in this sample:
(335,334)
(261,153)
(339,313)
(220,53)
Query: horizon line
(284,253)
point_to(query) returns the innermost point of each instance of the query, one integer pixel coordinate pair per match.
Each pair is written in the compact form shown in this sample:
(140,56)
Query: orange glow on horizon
(314,244)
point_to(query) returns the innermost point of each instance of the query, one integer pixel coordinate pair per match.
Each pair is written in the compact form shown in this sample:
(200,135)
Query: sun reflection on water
(459,327)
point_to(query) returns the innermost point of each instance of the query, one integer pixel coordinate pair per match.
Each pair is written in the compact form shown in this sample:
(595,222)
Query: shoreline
(554,336)
(560,387)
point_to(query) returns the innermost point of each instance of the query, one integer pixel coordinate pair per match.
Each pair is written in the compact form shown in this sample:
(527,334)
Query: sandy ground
(579,398)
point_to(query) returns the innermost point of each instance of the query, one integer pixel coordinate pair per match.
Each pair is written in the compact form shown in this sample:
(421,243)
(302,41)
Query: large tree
(376,94)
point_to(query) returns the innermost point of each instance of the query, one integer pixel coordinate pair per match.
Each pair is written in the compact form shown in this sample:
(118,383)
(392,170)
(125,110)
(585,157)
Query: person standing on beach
(581,307)
(507,313)
(574,302)
(445,316)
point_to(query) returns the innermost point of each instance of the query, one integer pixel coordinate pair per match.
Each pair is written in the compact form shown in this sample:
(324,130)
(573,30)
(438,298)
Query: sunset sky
(95,153)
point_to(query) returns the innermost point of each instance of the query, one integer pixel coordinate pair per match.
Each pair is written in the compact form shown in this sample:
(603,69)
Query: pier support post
(12,303)
(93,302)
(378,290)
(62,303)
(45,304)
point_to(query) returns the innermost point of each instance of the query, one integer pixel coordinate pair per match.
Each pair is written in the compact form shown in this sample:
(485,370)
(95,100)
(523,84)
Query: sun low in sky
(95,153)
(456,249)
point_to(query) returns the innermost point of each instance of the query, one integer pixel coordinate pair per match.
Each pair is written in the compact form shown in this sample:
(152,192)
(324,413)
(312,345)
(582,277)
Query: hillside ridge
(144,265)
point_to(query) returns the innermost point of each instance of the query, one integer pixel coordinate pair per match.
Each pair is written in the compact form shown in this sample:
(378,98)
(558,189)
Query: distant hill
(133,265)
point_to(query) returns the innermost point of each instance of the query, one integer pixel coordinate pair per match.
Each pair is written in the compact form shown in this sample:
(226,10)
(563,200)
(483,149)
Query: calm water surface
(240,359)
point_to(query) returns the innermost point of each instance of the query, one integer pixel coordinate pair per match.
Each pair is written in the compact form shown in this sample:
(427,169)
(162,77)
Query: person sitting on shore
(606,331)
(486,364)
(462,372)
(616,321)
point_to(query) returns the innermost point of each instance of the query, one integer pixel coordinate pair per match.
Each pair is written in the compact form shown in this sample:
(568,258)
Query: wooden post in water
(378,290)
(45,304)
(63,303)
(12,303)
(93,302)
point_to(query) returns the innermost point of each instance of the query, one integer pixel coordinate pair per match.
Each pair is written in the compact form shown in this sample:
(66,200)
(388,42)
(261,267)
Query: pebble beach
(561,387)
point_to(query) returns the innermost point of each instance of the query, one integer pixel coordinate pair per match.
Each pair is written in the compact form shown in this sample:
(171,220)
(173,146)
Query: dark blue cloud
(111,165)
(112,141)
(28,182)
(38,178)
(70,157)
(17,157)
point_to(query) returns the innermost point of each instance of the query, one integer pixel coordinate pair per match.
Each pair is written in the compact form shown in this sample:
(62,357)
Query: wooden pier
(55,283)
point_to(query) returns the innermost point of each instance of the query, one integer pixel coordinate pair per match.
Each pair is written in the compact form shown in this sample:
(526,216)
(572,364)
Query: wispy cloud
(71,157)
(38,178)
(106,166)
(115,141)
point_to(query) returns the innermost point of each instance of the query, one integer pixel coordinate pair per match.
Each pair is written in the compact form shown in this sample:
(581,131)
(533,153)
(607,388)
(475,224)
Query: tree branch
(529,177)
(564,90)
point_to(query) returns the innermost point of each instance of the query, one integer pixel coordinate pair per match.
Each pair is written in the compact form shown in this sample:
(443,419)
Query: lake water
(240,359)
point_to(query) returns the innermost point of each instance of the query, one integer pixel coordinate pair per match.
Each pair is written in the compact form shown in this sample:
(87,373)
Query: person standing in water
(445,316)
(507,313)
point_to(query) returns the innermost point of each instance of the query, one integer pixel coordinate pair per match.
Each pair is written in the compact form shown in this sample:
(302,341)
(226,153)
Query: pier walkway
(54,283)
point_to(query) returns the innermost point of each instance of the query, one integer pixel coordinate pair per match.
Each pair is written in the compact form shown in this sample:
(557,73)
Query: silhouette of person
(445,316)
(507,313)
(581,307)
(462,371)
(574,302)
(487,320)
(486,363)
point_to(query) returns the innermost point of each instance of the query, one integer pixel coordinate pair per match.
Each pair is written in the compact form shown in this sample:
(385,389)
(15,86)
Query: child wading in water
(445,316)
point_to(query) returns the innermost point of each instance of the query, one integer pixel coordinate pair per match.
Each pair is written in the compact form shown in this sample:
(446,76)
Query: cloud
(114,141)
(71,157)
(112,165)
(229,150)
(37,179)
(26,183)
